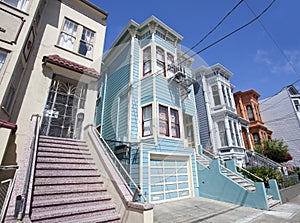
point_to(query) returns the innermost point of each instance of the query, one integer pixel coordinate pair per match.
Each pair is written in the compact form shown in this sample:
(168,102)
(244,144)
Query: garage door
(169,178)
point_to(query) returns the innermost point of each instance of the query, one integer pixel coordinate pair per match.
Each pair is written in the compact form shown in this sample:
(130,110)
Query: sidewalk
(205,210)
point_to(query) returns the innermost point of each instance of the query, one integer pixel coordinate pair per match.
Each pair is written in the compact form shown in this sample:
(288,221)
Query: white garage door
(169,178)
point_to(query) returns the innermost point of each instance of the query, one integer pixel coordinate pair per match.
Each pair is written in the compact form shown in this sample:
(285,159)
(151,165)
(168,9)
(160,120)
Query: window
(189,130)
(231,132)
(229,98)
(222,133)
(237,135)
(216,95)
(163,121)
(256,138)
(146,61)
(171,65)
(164,126)
(19,4)
(224,94)
(160,61)
(147,121)
(14,84)
(69,38)
(3,55)
(296,102)
(250,112)
(175,124)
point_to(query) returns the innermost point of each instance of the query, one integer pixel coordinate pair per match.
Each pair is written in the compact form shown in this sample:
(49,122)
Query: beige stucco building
(47,48)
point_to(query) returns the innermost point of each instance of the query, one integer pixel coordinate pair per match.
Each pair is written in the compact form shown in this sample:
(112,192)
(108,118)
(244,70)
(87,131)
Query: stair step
(66,146)
(70,209)
(64,150)
(42,197)
(64,155)
(273,203)
(93,217)
(66,180)
(65,166)
(69,200)
(67,173)
(64,160)
(68,189)
(60,140)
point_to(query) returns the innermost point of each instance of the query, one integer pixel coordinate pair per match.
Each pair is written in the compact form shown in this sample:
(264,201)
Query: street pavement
(205,210)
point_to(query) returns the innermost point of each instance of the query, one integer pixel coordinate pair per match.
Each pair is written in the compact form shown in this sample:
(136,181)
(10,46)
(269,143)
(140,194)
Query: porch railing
(119,166)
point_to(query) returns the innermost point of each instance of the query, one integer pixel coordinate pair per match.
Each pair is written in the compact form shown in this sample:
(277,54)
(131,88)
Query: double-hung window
(76,38)
(19,4)
(169,122)
(147,121)
(171,65)
(222,133)
(216,96)
(160,61)
(250,112)
(175,129)
(3,55)
(163,121)
(147,61)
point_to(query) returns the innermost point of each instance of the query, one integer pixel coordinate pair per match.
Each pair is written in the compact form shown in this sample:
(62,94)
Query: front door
(64,110)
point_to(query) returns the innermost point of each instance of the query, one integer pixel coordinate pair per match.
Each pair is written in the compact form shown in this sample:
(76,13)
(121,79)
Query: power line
(215,27)
(274,41)
(234,31)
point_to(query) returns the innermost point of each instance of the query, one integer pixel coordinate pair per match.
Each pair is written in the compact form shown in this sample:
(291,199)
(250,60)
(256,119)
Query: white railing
(119,166)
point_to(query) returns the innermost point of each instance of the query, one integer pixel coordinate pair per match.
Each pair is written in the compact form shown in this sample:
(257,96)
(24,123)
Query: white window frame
(18,4)
(169,122)
(76,38)
(3,56)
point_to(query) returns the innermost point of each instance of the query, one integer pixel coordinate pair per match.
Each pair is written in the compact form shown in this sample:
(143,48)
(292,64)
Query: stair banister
(30,169)
(257,177)
(111,154)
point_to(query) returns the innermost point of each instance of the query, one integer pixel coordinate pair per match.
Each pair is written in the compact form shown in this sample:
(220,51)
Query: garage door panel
(169,178)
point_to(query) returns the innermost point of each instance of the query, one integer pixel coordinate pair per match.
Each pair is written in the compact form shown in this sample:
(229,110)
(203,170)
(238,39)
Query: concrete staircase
(67,186)
(237,178)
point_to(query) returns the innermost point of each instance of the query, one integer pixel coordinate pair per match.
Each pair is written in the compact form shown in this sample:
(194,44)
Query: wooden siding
(167,92)
(117,85)
(202,115)
(166,45)
(146,90)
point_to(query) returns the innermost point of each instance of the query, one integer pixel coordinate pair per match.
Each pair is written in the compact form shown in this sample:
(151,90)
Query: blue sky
(265,61)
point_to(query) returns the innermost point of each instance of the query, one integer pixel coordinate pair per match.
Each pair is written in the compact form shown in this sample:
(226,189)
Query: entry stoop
(67,186)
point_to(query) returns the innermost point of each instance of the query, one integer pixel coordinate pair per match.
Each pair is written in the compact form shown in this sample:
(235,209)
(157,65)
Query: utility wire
(215,27)
(234,31)
(274,41)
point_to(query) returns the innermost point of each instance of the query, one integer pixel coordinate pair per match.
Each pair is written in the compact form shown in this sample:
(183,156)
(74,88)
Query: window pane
(86,42)
(163,120)
(20,4)
(171,65)
(222,132)
(147,121)
(216,95)
(147,60)
(250,112)
(68,35)
(3,55)
(175,124)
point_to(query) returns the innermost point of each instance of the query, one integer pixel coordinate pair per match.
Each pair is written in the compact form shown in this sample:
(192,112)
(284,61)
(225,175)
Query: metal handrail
(112,155)
(33,152)
(266,159)
(7,198)
(257,177)
(211,154)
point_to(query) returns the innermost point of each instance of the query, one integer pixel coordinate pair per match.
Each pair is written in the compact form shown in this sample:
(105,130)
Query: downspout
(103,103)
